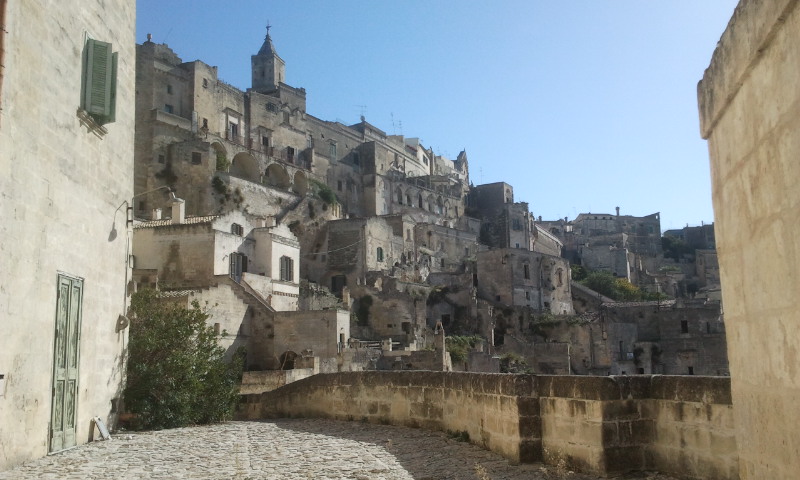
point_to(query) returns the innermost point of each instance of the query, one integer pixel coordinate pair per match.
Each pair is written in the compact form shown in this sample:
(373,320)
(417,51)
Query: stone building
(748,113)
(522,278)
(222,148)
(246,274)
(66,182)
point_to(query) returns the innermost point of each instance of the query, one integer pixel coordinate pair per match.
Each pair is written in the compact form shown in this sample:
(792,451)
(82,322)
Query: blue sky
(582,106)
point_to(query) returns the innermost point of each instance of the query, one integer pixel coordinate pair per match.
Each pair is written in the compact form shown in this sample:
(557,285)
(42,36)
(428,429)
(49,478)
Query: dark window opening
(684,326)
(526,271)
(168,108)
(287,269)
(691,370)
(196,158)
(445,320)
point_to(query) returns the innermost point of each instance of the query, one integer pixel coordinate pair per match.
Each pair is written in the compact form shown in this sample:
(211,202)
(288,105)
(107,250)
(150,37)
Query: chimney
(618,211)
(149,37)
(156,214)
(178,211)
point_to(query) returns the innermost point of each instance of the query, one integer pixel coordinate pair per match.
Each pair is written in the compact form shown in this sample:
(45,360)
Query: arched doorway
(276,176)
(300,185)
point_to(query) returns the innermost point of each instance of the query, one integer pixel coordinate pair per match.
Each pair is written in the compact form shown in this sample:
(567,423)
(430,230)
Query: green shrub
(222,162)
(177,375)
(459,346)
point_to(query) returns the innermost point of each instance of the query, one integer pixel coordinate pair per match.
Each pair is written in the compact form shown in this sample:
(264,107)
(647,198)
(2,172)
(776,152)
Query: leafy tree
(675,248)
(459,346)
(579,272)
(177,375)
(601,282)
(513,363)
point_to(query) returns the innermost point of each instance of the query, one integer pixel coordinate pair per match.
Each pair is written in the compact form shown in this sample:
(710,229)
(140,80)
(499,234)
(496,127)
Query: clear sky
(581,105)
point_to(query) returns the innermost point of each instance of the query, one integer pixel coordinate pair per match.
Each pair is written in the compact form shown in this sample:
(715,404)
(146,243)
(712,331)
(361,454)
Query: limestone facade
(65,182)
(748,103)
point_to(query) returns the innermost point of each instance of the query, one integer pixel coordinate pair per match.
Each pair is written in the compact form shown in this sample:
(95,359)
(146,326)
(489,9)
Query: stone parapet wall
(605,425)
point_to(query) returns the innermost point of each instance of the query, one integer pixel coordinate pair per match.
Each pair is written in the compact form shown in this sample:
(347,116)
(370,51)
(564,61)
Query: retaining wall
(682,426)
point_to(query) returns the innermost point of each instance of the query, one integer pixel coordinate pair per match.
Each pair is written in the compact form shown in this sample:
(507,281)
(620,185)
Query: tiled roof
(168,222)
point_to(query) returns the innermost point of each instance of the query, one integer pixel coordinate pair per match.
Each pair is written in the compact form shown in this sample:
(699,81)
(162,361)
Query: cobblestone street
(285,449)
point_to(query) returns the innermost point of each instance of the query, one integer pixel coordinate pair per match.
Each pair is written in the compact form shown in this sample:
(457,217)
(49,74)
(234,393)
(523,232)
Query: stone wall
(748,102)
(682,426)
(64,184)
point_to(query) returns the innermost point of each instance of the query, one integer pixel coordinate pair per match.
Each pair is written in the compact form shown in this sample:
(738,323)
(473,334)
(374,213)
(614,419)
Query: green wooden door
(65,363)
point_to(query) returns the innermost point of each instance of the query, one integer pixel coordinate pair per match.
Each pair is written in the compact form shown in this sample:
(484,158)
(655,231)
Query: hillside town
(326,247)
(314,247)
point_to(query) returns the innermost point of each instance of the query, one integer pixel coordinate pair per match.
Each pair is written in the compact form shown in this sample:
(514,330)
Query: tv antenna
(362,111)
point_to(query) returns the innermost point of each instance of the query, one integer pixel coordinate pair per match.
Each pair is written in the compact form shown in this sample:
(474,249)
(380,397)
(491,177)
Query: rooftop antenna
(394,130)
(362,110)
(400,123)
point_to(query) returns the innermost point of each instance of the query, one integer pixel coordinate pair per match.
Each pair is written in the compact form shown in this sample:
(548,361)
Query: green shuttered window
(99,81)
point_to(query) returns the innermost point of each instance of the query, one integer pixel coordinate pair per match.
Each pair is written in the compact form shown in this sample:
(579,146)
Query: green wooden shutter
(100,78)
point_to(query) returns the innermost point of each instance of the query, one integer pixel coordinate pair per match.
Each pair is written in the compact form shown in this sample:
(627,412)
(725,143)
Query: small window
(287,269)
(168,108)
(684,326)
(285,117)
(205,83)
(197,158)
(169,89)
(265,140)
(526,271)
(310,142)
(271,107)
(237,229)
(442,263)
(339,185)
(205,123)
(527,295)
(356,159)
(290,154)
(380,254)
(332,151)
(691,370)
(162,159)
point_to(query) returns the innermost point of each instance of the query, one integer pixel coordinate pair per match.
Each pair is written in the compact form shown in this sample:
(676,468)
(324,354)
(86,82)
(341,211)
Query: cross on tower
(268,27)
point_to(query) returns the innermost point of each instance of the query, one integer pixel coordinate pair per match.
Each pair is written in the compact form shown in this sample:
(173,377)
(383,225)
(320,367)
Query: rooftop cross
(268,27)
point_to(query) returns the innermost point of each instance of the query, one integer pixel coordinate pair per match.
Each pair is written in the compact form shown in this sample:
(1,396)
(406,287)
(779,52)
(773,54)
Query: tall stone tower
(268,69)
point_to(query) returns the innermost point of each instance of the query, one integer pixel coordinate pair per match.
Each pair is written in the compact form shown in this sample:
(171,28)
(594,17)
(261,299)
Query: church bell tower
(268,69)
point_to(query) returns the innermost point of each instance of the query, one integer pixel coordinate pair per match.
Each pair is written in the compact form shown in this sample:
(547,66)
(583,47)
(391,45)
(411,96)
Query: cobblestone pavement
(285,449)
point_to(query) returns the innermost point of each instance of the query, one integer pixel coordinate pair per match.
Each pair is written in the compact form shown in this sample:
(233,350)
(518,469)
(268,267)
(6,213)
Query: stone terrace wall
(605,425)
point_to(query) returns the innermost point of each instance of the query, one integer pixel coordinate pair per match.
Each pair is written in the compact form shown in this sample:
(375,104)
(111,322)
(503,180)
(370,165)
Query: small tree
(177,375)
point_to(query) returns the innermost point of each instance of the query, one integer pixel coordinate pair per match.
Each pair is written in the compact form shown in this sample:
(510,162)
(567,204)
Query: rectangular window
(684,326)
(379,254)
(339,185)
(161,159)
(272,108)
(287,269)
(99,92)
(197,158)
(310,142)
(527,271)
(290,154)
(168,108)
(169,89)
(333,151)
(237,229)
